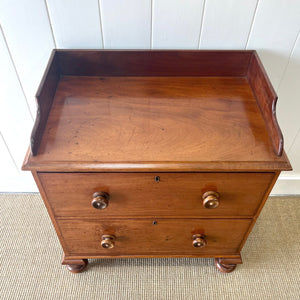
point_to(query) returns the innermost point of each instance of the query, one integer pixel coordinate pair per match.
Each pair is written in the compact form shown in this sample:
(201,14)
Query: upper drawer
(142,194)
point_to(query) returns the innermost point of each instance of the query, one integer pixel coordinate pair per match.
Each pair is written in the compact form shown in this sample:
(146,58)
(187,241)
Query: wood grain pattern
(139,195)
(154,62)
(44,98)
(274,32)
(145,115)
(48,207)
(153,116)
(163,63)
(141,236)
(30,163)
(266,100)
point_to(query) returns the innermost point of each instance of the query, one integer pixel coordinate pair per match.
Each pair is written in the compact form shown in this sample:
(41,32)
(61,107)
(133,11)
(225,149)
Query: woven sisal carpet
(31,254)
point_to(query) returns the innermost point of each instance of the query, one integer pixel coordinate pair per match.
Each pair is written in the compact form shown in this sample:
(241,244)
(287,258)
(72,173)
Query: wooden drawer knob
(108,241)
(211,199)
(199,240)
(100,200)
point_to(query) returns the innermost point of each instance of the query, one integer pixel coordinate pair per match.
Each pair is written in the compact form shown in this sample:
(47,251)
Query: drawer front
(153,236)
(144,194)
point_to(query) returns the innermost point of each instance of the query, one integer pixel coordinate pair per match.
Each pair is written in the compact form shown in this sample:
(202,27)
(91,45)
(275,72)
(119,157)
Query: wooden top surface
(188,120)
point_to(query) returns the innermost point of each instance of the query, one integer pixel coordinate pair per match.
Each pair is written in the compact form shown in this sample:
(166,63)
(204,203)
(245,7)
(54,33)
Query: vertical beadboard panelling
(274,31)
(15,119)
(126,24)
(29,37)
(12,180)
(176,23)
(75,23)
(226,24)
(288,106)
(8,167)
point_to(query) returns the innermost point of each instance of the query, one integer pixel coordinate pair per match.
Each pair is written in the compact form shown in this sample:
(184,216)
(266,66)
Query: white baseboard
(18,183)
(287,186)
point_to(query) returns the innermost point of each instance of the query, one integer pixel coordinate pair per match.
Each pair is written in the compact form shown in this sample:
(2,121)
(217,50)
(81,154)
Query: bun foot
(75,265)
(227,265)
(78,268)
(224,268)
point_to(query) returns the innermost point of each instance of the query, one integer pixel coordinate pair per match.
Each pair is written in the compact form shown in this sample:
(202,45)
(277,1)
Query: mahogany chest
(155,153)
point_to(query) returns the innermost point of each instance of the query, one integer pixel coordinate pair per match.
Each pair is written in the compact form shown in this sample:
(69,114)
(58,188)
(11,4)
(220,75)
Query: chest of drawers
(155,153)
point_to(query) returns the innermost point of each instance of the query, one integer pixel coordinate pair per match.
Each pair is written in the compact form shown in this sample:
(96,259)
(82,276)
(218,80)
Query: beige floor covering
(31,254)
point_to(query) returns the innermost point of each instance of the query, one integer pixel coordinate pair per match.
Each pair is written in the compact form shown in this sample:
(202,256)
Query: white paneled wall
(15,119)
(274,31)
(172,20)
(126,24)
(31,29)
(26,27)
(75,23)
(289,98)
(15,125)
(226,24)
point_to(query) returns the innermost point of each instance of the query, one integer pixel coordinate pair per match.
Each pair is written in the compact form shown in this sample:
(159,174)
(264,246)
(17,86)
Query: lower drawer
(153,236)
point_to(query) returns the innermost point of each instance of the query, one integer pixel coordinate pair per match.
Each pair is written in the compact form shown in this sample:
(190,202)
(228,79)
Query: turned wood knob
(199,240)
(108,241)
(211,199)
(100,200)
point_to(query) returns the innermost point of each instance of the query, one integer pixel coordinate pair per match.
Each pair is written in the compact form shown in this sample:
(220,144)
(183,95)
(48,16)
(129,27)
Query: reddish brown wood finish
(30,163)
(154,62)
(138,194)
(227,265)
(201,120)
(147,133)
(97,116)
(44,99)
(155,236)
(75,265)
(48,206)
(266,100)
(157,63)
